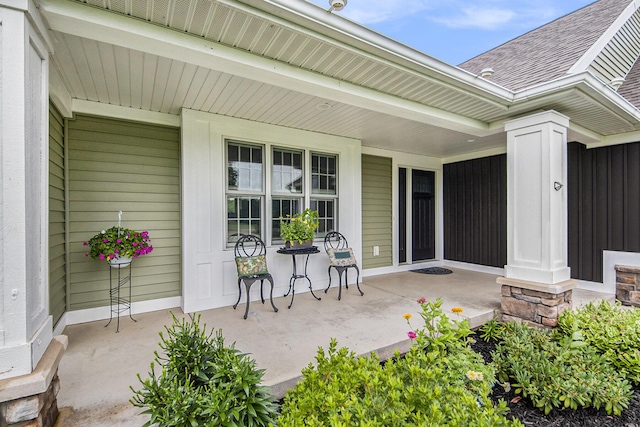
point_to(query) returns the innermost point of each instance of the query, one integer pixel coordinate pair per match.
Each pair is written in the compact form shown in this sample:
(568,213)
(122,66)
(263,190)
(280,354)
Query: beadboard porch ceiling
(235,59)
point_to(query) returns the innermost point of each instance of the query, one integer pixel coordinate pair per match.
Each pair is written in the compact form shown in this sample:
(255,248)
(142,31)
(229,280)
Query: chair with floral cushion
(342,259)
(251,262)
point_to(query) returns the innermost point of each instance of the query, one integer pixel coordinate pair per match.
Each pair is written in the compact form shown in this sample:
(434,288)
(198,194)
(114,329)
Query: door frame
(408,213)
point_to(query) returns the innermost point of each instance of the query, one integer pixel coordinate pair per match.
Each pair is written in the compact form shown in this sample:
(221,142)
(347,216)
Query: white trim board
(103,313)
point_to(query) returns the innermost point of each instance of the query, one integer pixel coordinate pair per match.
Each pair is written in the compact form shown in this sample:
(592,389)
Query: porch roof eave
(98,24)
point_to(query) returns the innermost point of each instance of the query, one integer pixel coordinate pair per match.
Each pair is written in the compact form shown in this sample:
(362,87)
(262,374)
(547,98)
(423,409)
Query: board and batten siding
(376,211)
(475,211)
(604,205)
(117,165)
(57,254)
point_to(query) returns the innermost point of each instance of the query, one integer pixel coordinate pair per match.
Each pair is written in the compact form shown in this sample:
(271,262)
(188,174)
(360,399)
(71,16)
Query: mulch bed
(524,410)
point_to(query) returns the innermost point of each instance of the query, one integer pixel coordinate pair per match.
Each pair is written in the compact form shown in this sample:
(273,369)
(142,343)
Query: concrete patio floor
(100,365)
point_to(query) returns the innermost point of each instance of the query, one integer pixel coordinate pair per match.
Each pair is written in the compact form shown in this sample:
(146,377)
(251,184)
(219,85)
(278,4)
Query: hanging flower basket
(118,246)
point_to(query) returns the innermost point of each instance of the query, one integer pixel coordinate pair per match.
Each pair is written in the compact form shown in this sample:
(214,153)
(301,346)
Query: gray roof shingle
(548,52)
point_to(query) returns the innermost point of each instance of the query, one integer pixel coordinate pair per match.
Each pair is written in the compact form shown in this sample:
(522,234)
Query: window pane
(281,208)
(323,177)
(243,217)
(287,172)
(245,154)
(327,215)
(244,167)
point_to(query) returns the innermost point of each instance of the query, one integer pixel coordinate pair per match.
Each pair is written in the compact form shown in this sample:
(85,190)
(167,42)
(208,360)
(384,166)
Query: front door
(423,215)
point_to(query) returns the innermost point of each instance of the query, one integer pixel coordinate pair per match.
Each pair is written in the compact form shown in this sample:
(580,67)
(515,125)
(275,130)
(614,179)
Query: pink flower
(411,335)
(422,300)
(84,243)
(86,254)
(135,243)
(106,240)
(119,241)
(101,257)
(117,251)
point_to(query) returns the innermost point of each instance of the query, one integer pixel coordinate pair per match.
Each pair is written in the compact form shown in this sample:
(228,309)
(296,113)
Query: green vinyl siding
(376,211)
(57,255)
(117,165)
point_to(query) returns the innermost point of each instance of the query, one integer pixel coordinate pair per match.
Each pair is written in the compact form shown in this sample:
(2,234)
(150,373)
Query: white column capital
(545,117)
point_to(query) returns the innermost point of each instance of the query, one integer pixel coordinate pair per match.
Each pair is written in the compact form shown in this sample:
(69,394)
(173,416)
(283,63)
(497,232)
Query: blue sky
(454,30)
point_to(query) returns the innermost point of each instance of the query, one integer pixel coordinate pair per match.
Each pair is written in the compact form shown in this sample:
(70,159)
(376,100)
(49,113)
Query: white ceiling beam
(124,113)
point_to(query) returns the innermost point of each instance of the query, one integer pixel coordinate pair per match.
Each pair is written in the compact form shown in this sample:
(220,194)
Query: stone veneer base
(628,285)
(31,400)
(536,304)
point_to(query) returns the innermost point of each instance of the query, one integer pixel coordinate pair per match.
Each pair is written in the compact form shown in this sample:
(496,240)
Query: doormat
(433,270)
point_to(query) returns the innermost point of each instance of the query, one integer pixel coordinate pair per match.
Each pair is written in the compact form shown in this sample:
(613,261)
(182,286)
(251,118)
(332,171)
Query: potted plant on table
(299,230)
(118,246)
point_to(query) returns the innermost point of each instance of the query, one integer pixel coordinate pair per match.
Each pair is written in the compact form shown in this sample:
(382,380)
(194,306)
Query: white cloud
(482,18)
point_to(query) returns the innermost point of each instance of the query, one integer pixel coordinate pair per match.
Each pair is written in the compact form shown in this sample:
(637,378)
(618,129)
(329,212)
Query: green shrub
(439,382)
(494,330)
(613,331)
(202,382)
(553,373)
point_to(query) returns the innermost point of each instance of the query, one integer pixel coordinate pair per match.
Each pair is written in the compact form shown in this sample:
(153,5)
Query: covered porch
(100,365)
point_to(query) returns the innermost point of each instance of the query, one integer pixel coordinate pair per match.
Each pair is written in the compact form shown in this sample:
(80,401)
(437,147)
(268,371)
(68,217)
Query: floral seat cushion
(341,257)
(251,266)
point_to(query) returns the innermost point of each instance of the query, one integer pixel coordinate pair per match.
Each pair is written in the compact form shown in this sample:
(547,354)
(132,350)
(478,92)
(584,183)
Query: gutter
(588,85)
(364,40)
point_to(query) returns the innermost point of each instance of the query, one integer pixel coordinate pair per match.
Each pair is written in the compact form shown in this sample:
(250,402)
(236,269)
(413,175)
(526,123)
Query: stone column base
(628,285)
(536,304)
(30,400)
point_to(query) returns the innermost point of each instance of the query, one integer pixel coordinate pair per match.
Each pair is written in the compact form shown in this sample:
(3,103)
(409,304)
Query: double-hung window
(245,189)
(324,190)
(287,187)
(291,189)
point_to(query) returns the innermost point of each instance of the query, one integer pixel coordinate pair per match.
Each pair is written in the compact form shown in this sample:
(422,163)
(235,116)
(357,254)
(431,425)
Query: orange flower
(407,316)
(456,310)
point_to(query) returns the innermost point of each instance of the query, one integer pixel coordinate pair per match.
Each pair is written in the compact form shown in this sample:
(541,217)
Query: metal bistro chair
(251,262)
(341,258)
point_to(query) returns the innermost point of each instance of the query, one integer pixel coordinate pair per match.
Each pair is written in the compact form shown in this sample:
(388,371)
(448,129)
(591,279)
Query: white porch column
(536,204)
(537,284)
(25,324)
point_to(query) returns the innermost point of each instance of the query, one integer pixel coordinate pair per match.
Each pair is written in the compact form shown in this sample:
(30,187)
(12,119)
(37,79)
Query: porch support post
(29,355)
(537,284)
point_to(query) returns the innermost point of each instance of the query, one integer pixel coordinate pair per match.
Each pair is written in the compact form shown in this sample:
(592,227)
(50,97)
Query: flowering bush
(300,227)
(118,242)
(434,384)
